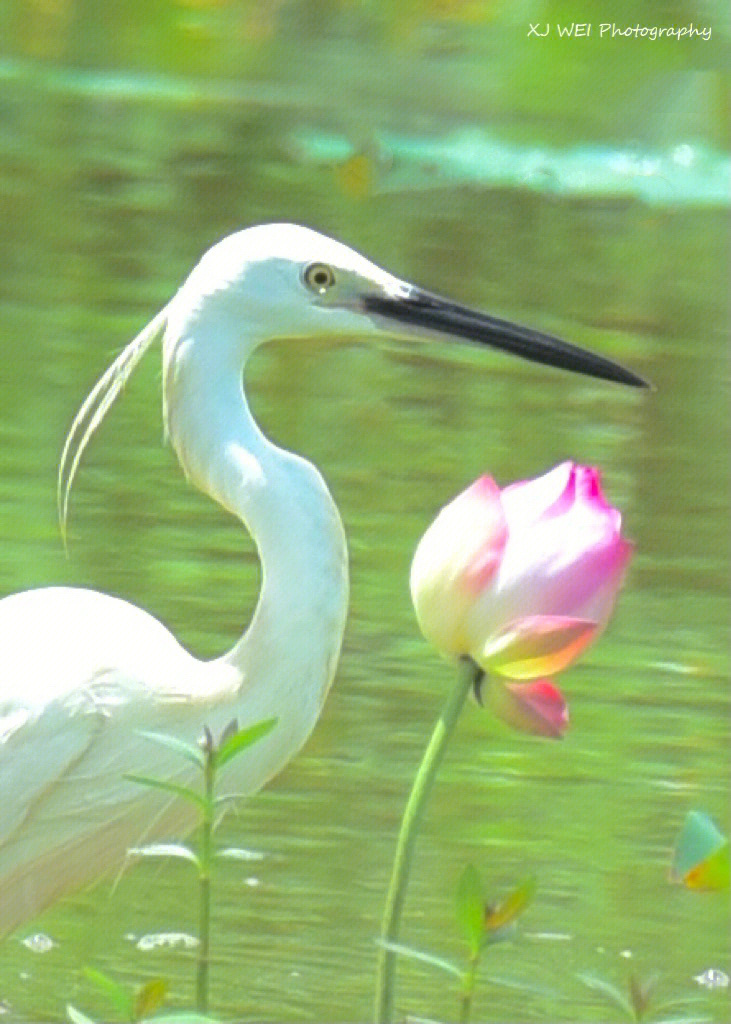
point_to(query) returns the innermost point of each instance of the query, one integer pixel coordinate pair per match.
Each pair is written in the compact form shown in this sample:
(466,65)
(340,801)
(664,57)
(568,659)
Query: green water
(110,188)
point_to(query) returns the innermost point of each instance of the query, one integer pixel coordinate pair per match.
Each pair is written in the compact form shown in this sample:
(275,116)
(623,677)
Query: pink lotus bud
(524,578)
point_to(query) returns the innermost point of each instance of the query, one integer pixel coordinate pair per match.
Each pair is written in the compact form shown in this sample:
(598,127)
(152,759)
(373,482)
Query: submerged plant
(639,998)
(513,583)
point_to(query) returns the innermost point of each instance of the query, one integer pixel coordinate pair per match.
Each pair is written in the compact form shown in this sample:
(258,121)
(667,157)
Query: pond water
(109,195)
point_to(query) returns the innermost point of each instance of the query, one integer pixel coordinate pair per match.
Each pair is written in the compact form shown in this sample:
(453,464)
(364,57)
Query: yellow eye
(319,277)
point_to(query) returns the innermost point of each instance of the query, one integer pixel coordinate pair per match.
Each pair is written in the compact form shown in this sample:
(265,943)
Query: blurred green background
(579,185)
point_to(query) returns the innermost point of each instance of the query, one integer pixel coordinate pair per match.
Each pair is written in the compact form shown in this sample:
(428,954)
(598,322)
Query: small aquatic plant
(132,1003)
(209,757)
(639,1000)
(480,924)
(136,1004)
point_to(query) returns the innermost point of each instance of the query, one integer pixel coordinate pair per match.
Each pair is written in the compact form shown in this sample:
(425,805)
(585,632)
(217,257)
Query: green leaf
(229,798)
(509,909)
(701,857)
(190,1017)
(236,853)
(640,992)
(149,997)
(607,989)
(170,787)
(76,1016)
(188,750)
(470,907)
(243,739)
(164,850)
(118,995)
(418,954)
(228,731)
(677,1003)
(687,1020)
(522,986)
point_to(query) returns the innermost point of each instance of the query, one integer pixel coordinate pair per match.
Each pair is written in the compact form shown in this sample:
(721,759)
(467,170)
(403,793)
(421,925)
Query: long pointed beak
(424,311)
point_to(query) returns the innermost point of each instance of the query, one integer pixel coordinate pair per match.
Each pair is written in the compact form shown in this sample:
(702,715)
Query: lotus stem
(469,674)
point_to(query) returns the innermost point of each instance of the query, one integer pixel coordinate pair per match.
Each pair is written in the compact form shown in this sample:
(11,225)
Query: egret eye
(319,277)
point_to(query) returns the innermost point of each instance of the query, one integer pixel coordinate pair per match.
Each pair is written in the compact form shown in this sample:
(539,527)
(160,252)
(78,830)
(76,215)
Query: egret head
(287,281)
(282,281)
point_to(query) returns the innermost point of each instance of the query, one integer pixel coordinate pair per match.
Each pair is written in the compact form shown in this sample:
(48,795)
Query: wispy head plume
(95,407)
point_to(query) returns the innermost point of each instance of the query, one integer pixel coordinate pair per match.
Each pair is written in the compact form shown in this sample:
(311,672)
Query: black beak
(424,311)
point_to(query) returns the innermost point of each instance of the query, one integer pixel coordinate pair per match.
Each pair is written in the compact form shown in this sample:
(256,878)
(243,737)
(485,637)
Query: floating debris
(712,978)
(679,668)
(38,943)
(166,940)
(238,853)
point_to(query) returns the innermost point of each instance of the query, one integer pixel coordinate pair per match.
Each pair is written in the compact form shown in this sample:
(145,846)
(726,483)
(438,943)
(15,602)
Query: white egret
(81,671)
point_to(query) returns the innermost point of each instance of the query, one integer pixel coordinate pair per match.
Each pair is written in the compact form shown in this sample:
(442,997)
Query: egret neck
(285,505)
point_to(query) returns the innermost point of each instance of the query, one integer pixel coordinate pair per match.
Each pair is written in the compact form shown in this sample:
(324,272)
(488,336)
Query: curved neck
(290,650)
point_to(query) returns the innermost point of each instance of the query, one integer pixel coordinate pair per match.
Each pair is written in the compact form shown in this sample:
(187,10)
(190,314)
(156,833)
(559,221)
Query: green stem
(204,919)
(468,990)
(386,963)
